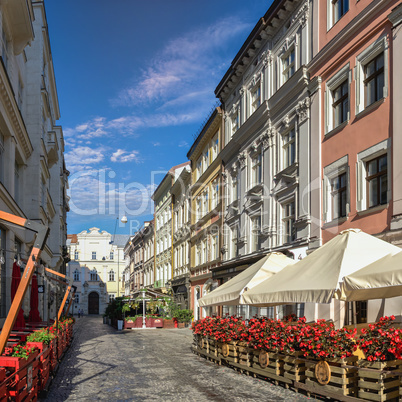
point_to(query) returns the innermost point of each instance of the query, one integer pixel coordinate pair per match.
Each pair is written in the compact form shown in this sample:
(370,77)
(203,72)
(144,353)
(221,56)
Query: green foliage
(22,351)
(42,335)
(115,308)
(182,315)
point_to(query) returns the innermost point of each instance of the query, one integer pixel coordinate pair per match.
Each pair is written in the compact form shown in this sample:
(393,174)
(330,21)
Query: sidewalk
(105,364)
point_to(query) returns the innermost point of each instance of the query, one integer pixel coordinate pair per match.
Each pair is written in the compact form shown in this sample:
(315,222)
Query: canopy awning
(380,280)
(317,277)
(230,293)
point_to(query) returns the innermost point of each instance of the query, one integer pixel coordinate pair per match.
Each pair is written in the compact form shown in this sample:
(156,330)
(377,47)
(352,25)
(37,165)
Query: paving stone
(149,365)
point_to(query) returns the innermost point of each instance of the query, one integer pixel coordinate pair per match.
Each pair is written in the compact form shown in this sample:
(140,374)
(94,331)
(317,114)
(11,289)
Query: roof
(120,240)
(204,130)
(72,237)
(172,174)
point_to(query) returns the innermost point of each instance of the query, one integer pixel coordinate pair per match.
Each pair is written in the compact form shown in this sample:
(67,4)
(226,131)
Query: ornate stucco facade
(96,267)
(206,208)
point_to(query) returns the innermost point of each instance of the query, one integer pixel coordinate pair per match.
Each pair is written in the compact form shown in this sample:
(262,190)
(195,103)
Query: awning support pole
(42,232)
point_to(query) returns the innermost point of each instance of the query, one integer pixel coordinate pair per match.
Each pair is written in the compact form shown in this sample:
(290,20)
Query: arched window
(76,275)
(94,275)
(111,276)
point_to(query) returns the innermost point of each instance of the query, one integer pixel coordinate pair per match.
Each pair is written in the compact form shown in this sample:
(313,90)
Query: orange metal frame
(42,232)
(68,290)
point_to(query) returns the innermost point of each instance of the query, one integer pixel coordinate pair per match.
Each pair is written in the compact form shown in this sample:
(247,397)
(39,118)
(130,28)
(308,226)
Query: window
(77,298)
(111,297)
(340,105)
(255,98)
(255,229)
(288,221)
(205,159)
(205,207)
(235,187)
(372,74)
(256,169)
(112,255)
(198,254)
(199,207)
(111,276)
(215,193)
(289,148)
(94,255)
(377,181)
(233,246)
(235,121)
(204,251)
(288,64)
(76,255)
(93,275)
(339,8)
(215,247)
(199,168)
(339,196)
(76,275)
(215,147)
(337,98)
(374,80)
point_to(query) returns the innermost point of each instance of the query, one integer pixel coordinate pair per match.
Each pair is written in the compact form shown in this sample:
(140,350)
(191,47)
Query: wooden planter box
(342,379)
(243,354)
(293,367)
(24,385)
(44,362)
(226,352)
(3,385)
(268,365)
(130,324)
(53,355)
(377,382)
(168,324)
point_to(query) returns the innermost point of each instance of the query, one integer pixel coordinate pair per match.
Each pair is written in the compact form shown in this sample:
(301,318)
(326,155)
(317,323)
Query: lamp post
(123,220)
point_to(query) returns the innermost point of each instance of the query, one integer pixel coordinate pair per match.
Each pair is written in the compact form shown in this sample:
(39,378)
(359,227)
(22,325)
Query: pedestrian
(82,312)
(79,313)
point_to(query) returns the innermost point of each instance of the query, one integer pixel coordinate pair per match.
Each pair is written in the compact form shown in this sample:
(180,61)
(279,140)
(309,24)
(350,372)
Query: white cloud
(80,156)
(123,156)
(156,144)
(183,144)
(184,65)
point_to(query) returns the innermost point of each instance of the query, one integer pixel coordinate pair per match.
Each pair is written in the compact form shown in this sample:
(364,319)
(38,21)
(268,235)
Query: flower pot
(25,384)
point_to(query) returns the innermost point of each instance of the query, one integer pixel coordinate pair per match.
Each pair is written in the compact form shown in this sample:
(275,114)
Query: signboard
(41,289)
(29,377)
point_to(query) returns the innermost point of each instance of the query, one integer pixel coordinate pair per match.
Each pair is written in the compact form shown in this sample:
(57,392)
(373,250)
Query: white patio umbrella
(317,277)
(380,280)
(230,293)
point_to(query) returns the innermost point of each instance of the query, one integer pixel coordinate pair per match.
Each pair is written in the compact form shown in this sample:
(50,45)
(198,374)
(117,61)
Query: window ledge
(335,222)
(336,129)
(369,108)
(373,210)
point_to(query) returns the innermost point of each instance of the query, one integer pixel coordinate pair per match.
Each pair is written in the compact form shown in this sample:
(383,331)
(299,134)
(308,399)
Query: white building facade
(97,265)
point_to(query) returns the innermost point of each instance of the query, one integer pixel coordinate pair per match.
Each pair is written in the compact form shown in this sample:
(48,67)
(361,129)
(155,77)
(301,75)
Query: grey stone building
(265,95)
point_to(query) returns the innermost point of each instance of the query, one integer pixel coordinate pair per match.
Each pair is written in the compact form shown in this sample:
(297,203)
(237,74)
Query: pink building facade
(355,117)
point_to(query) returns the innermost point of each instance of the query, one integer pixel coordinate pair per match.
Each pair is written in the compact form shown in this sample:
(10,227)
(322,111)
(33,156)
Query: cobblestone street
(148,365)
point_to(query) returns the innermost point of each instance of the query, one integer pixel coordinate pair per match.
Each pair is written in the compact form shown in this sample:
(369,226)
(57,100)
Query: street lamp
(123,221)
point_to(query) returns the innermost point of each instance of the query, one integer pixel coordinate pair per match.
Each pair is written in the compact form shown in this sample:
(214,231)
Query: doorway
(93,303)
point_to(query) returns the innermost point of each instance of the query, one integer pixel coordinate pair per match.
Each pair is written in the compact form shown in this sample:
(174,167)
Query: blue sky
(135,82)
